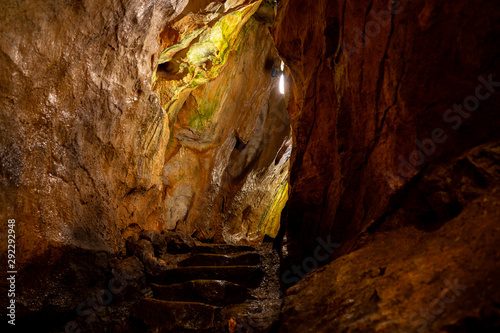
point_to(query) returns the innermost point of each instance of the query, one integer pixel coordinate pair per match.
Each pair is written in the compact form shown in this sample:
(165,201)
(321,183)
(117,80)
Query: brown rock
(250,259)
(410,272)
(221,249)
(153,311)
(214,292)
(159,244)
(144,250)
(359,103)
(248,276)
(178,242)
(412,292)
(129,279)
(227,161)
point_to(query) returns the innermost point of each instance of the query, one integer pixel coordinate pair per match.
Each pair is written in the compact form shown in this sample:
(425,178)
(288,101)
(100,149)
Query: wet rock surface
(221,249)
(90,156)
(172,292)
(88,149)
(177,315)
(227,158)
(77,166)
(121,119)
(238,259)
(247,275)
(214,292)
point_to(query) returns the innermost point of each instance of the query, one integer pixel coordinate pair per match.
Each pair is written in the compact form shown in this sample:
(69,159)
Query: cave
(226,166)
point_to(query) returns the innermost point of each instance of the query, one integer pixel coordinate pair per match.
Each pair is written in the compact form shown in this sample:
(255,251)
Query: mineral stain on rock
(227,125)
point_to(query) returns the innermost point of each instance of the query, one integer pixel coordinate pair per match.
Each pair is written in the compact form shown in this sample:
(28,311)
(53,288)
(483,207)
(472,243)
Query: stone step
(165,316)
(221,249)
(208,259)
(247,276)
(213,292)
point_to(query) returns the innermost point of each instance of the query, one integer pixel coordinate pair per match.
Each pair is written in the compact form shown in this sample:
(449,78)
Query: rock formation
(87,146)
(226,162)
(91,148)
(394,115)
(133,131)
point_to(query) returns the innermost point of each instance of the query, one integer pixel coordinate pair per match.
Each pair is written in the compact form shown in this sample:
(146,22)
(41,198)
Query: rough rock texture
(178,242)
(90,157)
(418,271)
(75,98)
(85,144)
(366,85)
(212,297)
(71,289)
(85,158)
(227,158)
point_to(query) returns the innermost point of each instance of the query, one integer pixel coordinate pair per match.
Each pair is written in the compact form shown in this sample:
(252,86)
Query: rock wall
(227,158)
(424,268)
(394,114)
(373,83)
(75,96)
(75,80)
(88,152)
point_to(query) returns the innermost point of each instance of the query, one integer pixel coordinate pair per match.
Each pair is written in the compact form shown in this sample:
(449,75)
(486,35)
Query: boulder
(144,250)
(178,242)
(159,244)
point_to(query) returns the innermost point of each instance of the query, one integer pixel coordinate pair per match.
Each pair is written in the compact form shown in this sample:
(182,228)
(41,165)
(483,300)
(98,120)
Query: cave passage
(225,173)
(226,169)
(147,181)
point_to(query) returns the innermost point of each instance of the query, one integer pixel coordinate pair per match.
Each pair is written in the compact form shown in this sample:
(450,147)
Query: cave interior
(226,166)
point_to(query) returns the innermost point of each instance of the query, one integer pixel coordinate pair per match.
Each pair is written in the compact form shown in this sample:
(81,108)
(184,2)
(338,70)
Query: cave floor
(215,288)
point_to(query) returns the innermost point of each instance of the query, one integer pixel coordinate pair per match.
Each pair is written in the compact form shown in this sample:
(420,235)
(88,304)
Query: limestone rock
(88,156)
(226,166)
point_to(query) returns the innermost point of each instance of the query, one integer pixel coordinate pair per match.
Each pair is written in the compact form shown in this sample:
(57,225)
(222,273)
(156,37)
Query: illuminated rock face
(89,152)
(87,148)
(103,133)
(227,158)
(78,162)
